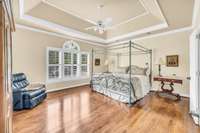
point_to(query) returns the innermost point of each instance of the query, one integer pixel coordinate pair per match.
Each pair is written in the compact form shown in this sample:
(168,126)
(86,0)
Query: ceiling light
(101,31)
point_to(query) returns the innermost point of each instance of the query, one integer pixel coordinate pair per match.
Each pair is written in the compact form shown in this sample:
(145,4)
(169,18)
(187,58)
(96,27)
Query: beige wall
(172,44)
(197,23)
(29,52)
(29,56)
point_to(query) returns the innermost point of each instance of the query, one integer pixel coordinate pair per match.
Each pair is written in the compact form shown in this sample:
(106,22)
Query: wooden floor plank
(79,110)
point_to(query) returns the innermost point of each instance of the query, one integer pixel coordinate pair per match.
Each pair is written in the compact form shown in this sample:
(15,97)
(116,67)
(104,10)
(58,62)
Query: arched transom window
(71,45)
(67,63)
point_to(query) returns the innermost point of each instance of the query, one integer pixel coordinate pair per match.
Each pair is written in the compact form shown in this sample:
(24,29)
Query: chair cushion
(33,93)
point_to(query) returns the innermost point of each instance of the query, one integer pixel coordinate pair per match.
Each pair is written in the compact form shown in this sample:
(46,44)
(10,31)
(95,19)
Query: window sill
(66,79)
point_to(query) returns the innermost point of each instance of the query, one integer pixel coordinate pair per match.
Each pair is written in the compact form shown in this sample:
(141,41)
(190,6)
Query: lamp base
(159,70)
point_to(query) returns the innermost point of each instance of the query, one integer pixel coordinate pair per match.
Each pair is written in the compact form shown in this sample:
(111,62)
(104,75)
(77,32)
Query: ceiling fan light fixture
(101,31)
(102,24)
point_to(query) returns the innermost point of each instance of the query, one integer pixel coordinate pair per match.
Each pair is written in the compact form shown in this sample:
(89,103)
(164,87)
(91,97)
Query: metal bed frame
(130,45)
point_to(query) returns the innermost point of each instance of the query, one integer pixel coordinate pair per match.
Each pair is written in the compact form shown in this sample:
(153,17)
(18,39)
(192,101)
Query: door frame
(195,75)
(6,27)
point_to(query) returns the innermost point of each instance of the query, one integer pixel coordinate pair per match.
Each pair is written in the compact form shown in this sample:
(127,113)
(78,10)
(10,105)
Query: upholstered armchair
(26,95)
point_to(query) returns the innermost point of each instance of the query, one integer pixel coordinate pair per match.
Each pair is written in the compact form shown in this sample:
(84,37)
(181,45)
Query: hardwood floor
(79,110)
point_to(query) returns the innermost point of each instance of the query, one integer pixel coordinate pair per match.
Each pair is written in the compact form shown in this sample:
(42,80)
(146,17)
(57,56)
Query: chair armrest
(35,86)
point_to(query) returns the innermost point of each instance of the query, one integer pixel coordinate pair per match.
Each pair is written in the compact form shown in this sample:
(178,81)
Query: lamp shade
(106,63)
(160,61)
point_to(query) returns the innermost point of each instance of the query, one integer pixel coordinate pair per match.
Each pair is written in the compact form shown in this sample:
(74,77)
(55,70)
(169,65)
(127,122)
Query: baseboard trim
(182,95)
(67,87)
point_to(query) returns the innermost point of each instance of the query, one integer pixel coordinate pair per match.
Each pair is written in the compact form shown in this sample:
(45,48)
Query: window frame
(62,77)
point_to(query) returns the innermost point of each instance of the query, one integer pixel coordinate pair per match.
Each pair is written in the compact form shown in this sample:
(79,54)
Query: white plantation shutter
(54,64)
(84,64)
(67,63)
(75,65)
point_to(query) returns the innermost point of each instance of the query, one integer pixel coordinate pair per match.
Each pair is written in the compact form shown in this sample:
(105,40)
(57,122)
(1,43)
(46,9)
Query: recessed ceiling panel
(118,10)
(54,15)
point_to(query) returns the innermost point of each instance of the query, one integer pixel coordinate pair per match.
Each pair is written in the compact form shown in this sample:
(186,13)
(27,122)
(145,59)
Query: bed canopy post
(151,67)
(92,69)
(130,63)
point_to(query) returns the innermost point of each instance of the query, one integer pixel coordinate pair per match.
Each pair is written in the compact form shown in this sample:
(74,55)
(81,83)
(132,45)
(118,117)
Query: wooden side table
(171,81)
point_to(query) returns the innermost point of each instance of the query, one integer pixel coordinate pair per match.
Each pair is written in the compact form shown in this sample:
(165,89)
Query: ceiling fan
(101,25)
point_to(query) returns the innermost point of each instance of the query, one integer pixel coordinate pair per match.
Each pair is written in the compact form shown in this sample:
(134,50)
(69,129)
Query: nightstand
(169,81)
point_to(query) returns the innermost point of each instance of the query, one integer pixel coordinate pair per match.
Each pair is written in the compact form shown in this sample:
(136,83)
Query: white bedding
(140,82)
(144,80)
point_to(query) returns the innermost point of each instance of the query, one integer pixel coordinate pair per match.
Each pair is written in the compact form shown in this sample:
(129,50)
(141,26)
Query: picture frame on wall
(97,62)
(172,61)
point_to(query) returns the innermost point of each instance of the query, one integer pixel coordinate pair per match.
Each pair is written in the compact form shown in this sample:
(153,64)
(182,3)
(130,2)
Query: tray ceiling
(118,10)
(130,18)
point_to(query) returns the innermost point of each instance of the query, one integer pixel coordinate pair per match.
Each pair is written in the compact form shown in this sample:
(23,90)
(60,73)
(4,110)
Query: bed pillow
(135,70)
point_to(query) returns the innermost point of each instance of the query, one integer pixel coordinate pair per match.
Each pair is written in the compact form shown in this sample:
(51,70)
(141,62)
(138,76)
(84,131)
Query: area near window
(67,63)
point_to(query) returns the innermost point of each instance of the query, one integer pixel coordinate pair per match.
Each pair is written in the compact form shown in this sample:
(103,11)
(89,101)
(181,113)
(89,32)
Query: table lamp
(159,63)
(106,63)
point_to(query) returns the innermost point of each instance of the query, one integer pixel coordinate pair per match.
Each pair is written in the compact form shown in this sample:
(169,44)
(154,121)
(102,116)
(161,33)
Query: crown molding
(184,29)
(64,30)
(77,34)
(58,28)
(84,36)
(132,34)
(20,26)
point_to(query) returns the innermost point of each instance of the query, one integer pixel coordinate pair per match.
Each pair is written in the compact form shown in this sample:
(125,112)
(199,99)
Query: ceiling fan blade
(109,28)
(90,28)
(108,21)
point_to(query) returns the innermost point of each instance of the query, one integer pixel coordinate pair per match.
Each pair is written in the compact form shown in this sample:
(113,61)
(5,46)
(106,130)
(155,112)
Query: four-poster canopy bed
(128,87)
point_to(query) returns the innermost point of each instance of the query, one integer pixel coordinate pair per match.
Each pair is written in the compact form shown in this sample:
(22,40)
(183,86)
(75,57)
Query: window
(54,66)
(84,64)
(67,63)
